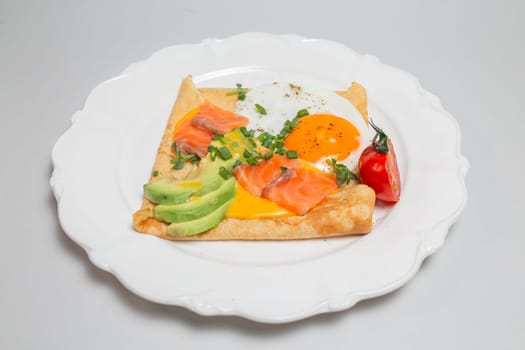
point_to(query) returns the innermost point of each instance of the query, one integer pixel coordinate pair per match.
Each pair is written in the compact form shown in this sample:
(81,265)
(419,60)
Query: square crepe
(345,212)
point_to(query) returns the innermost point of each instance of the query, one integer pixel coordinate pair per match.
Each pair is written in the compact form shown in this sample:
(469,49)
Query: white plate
(102,161)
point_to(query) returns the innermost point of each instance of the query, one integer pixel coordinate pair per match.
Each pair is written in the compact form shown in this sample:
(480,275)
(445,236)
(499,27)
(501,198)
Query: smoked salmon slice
(194,135)
(191,139)
(253,178)
(217,120)
(300,189)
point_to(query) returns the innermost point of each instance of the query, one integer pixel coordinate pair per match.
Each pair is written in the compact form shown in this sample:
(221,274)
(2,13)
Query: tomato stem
(380,140)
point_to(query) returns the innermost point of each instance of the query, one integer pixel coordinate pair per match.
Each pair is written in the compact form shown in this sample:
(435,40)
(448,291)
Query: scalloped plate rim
(439,230)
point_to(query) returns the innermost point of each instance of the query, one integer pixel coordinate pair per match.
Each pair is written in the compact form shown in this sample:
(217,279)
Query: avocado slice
(196,207)
(193,227)
(202,179)
(199,202)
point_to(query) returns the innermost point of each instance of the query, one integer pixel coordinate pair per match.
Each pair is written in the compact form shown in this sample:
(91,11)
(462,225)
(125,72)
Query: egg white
(282,100)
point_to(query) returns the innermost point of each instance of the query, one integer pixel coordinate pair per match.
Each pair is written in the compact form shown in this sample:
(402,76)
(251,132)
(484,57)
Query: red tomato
(378,169)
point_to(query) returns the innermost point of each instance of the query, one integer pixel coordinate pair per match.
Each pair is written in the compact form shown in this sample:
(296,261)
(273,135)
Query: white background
(471,54)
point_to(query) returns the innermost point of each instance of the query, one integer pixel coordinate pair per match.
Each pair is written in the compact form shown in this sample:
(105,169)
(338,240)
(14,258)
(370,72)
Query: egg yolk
(187,116)
(247,206)
(318,136)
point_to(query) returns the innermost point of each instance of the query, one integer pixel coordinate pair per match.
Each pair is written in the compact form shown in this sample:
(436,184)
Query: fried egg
(334,128)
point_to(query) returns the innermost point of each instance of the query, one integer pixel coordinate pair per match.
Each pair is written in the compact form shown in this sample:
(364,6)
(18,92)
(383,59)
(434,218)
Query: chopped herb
(155,173)
(251,161)
(240,91)
(260,109)
(283,170)
(343,175)
(289,125)
(268,155)
(212,150)
(267,143)
(180,159)
(287,128)
(224,153)
(247,154)
(225,173)
(175,148)
(302,113)
(252,142)
(245,132)
(266,139)
(219,137)
(265,136)
(279,143)
(278,146)
(236,163)
(179,164)
(252,158)
(291,154)
(193,158)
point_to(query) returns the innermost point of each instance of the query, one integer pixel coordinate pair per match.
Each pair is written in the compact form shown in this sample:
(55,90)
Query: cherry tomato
(378,168)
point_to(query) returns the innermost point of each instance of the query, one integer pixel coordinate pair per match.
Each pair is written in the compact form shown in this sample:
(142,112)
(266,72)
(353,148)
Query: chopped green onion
(225,173)
(180,159)
(219,137)
(343,175)
(179,164)
(247,154)
(283,170)
(280,150)
(291,154)
(240,91)
(224,153)
(251,161)
(288,127)
(244,131)
(302,113)
(212,150)
(268,155)
(267,143)
(175,148)
(264,136)
(260,109)
(252,142)
(155,173)
(193,158)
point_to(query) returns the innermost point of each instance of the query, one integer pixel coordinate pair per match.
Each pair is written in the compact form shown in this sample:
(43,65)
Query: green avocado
(197,206)
(199,202)
(202,179)
(193,227)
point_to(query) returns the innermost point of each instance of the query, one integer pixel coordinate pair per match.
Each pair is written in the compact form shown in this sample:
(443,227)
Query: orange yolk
(247,206)
(323,135)
(187,116)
